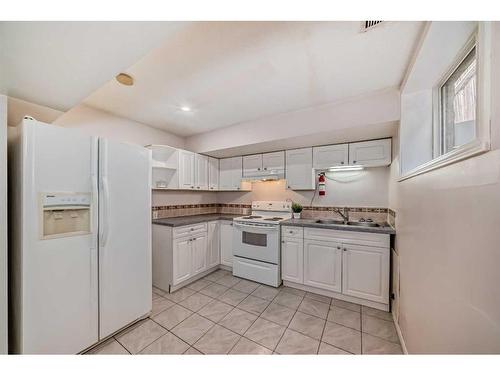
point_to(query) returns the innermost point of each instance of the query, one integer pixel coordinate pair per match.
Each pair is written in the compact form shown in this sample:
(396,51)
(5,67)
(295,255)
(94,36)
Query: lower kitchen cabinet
(183,254)
(199,254)
(182,260)
(343,264)
(226,243)
(365,272)
(323,265)
(213,244)
(292,260)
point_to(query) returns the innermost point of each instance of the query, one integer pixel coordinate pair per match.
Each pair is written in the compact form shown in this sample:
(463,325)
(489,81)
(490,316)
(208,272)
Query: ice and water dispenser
(65,214)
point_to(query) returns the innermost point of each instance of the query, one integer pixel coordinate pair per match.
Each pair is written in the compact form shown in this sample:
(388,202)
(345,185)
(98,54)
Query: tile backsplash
(309,212)
(199,209)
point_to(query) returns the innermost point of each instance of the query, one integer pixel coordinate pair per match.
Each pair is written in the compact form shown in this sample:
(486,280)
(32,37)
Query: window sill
(466,151)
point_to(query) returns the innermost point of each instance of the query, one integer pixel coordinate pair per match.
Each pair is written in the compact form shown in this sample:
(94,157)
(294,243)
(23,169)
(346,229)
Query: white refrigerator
(81,238)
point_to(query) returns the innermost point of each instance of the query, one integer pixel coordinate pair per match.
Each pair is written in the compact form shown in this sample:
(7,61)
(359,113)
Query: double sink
(349,223)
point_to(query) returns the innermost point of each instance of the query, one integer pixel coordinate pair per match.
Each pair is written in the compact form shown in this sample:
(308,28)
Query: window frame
(481,40)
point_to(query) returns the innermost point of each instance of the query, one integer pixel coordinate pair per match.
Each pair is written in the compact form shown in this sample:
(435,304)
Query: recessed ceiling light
(185,108)
(125,79)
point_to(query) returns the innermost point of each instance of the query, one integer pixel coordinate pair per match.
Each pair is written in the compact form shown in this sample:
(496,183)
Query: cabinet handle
(345,249)
(197,187)
(194,239)
(354,161)
(265,168)
(338,247)
(192,229)
(282,241)
(258,169)
(192,187)
(343,162)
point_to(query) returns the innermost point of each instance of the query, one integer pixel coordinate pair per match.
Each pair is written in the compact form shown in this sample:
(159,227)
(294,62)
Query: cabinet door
(230,172)
(226,243)
(213,244)
(186,170)
(199,251)
(323,264)
(371,153)
(299,169)
(325,157)
(252,165)
(292,256)
(213,173)
(201,168)
(273,161)
(365,272)
(182,260)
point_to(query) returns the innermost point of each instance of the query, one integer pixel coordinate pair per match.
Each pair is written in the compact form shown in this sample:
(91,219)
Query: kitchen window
(446,98)
(458,104)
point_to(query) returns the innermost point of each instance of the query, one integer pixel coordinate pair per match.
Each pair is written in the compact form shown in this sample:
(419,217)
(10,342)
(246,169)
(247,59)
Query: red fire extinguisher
(322,184)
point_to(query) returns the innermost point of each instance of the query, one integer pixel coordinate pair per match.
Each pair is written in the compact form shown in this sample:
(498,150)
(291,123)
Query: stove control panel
(284,206)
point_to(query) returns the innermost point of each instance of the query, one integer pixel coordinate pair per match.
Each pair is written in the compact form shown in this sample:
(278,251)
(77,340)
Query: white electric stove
(256,242)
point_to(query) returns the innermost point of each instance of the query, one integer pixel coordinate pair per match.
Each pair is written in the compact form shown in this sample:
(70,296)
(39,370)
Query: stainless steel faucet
(344,214)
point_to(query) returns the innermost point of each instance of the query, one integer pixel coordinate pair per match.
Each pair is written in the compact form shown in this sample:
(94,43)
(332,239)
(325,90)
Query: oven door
(256,241)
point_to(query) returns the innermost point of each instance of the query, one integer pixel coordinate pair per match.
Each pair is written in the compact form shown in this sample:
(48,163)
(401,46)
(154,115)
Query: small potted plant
(296,209)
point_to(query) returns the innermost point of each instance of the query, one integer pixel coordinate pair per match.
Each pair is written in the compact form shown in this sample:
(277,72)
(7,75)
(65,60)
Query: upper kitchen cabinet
(299,169)
(186,170)
(201,172)
(325,157)
(165,165)
(213,174)
(273,161)
(230,174)
(252,165)
(263,164)
(370,153)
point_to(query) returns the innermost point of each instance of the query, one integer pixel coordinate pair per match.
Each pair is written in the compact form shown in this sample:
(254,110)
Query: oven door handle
(258,227)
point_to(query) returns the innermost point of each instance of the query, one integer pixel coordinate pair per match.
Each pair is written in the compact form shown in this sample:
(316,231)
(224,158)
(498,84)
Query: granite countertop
(180,221)
(386,229)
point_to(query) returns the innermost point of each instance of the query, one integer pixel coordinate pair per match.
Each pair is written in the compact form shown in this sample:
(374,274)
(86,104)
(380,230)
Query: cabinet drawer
(348,237)
(292,232)
(188,230)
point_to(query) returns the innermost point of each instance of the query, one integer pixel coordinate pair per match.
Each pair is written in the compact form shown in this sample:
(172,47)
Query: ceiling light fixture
(125,79)
(185,108)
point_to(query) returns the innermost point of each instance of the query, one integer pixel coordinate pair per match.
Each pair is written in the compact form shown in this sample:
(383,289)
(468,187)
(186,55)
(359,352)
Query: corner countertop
(180,221)
(386,229)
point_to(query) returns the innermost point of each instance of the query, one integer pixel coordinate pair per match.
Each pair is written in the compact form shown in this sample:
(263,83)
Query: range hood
(267,175)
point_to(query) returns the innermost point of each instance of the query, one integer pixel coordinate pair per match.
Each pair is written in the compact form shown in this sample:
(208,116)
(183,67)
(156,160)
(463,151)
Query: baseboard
(400,335)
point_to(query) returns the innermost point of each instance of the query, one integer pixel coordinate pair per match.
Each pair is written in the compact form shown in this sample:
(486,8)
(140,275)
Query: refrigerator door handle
(105,212)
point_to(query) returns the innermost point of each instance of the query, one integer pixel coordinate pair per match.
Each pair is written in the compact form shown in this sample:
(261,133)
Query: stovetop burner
(276,218)
(251,217)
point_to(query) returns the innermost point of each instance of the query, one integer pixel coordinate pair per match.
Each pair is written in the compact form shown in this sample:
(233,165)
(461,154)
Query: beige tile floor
(223,314)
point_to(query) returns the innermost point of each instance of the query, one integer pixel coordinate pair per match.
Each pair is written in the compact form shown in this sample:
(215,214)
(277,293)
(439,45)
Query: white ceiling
(58,64)
(233,72)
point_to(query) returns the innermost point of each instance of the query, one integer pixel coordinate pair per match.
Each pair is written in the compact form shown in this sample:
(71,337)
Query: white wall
(368,188)
(17,109)
(449,250)
(373,109)
(3,224)
(96,122)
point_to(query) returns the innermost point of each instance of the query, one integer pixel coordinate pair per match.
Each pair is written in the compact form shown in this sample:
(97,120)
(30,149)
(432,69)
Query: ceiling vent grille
(368,25)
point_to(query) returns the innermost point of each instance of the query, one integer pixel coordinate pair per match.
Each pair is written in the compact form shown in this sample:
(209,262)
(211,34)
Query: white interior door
(59,275)
(124,234)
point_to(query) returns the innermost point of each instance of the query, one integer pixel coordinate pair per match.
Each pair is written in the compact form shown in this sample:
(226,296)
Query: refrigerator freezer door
(58,292)
(125,279)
